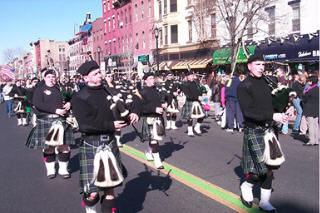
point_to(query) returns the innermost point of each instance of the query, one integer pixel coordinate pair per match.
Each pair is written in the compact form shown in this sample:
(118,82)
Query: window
(105,26)
(136,12)
(143,40)
(130,15)
(114,47)
(104,7)
(106,48)
(108,5)
(164,7)
(160,37)
(131,47)
(295,17)
(150,39)
(213,26)
(109,25)
(160,10)
(149,8)
(137,41)
(166,35)
(271,16)
(123,45)
(142,10)
(119,44)
(110,47)
(118,19)
(113,22)
(125,16)
(173,6)
(174,34)
(190,30)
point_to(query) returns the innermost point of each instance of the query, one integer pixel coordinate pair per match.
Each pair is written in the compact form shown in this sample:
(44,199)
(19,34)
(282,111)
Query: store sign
(143,58)
(303,54)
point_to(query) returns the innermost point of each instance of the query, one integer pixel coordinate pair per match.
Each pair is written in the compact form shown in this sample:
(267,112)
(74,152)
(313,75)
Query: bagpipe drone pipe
(281,95)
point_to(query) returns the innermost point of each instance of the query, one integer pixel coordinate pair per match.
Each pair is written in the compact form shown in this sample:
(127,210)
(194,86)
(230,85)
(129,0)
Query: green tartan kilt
(87,152)
(186,110)
(252,152)
(37,136)
(146,130)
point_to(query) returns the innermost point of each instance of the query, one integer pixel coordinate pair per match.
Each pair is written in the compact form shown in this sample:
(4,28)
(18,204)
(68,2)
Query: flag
(7,71)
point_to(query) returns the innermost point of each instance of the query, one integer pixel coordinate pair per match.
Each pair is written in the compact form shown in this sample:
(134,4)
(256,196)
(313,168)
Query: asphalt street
(214,157)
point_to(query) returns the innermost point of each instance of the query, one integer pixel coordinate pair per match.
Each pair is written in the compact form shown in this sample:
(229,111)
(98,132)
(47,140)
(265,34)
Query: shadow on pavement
(133,196)
(74,164)
(128,137)
(169,147)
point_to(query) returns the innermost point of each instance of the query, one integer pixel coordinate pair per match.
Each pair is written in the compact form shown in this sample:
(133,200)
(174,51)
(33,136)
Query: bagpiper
(101,168)
(20,96)
(192,108)
(172,110)
(261,150)
(152,110)
(51,134)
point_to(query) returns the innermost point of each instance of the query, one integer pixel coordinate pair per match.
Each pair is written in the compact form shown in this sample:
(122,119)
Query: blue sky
(23,21)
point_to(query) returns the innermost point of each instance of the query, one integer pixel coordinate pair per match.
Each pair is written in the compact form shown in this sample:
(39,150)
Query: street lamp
(156,34)
(98,50)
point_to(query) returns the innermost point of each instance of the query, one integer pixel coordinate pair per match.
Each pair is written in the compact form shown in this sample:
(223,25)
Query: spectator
(216,96)
(232,105)
(310,101)
(298,87)
(7,98)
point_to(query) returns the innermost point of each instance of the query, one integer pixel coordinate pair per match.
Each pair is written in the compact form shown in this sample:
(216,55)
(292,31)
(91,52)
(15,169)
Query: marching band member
(256,104)
(172,109)
(51,130)
(152,121)
(192,109)
(91,107)
(19,94)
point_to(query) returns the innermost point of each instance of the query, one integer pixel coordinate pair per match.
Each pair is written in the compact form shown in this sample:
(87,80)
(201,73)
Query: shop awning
(193,63)
(222,56)
(163,66)
(299,48)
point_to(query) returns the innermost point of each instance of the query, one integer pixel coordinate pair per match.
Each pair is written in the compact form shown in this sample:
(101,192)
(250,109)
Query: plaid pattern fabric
(87,152)
(146,130)
(186,110)
(37,137)
(252,152)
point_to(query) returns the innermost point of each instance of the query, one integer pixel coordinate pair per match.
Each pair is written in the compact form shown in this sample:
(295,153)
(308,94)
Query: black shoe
(246,203)
(160,167)
(269,211)
(51,176)
(295,131)
(66,176)
(308,144)
(316,144)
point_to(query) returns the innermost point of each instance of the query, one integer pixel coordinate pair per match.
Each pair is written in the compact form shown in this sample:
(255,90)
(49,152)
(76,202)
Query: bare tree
(237,16)
(201,10)
(10,54)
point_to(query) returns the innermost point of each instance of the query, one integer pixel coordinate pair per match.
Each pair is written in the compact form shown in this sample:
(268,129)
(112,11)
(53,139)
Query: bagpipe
(281,95)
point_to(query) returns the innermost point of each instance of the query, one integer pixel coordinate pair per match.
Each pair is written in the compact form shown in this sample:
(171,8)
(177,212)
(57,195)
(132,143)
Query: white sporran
(105,168)
(55,134)
(272,155)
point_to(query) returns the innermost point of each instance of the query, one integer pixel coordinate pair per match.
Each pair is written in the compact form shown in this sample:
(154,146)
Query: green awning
(220,56)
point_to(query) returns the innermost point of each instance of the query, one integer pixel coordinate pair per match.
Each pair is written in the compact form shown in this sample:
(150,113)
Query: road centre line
(210,190)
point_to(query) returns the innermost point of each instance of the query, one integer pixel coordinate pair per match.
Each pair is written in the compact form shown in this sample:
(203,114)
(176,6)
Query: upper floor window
(142,10)
(130,19)
(143,40)
(190,30)
(136,12)
(108,5)
(271,21)
(213,25)
(295,16)
(165,6)
(173,6)
(166,35)
(137,41)
(160,10)
(174,34)
(104,7)
(125,16)
(149,8)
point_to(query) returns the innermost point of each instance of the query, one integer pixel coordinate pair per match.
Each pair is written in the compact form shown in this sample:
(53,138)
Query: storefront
(295,50)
